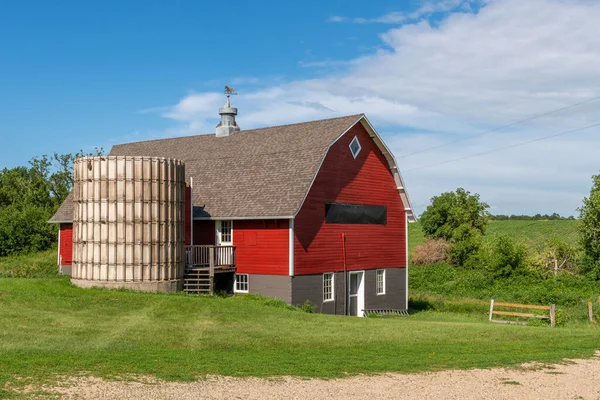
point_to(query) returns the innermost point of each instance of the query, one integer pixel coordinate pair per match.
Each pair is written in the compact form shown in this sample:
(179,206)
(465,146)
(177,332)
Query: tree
(589,230)
(57,172)
(459,218)
(29,196)
(452,213)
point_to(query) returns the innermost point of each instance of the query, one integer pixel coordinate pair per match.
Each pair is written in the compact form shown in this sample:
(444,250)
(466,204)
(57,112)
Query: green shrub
(552,257)
(466,247)
(25,230)
(308,307)
(506,257)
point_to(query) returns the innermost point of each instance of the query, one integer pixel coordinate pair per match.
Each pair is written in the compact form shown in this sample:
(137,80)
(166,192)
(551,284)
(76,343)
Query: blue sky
(75,75)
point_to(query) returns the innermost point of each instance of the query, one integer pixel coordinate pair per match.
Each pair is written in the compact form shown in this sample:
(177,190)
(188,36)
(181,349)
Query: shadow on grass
(416,305)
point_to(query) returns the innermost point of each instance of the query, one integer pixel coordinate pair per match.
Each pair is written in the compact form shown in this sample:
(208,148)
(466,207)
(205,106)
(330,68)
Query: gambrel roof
(258,173)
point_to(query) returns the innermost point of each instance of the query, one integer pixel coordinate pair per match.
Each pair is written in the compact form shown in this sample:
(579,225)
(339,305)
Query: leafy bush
(506,257)
(464,249)
(25,230)
(589,231)
(430,252)
(553,257)
(308,307)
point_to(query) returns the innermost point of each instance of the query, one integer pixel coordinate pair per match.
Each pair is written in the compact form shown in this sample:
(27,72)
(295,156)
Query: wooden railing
(210,256)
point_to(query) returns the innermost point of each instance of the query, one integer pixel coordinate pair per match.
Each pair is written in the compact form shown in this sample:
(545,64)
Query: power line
(504,147)
(500,127)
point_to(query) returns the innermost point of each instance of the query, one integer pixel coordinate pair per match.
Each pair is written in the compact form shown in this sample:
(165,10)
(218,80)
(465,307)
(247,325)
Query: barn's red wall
(262,246)
(188,216)
(204,233)
(364,180)
(65,250)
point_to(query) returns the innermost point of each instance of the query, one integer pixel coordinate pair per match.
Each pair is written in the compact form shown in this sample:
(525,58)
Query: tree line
(29,196)
(536,217)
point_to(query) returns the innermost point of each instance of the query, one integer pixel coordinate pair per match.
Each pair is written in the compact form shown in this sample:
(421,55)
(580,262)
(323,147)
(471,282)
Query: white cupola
(227,125)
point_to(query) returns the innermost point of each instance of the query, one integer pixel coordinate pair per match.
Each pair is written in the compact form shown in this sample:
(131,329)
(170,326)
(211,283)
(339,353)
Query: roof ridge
(305,122)
(242,131)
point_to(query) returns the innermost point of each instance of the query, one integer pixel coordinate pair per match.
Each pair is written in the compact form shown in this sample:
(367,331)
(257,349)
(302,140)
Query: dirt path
(579,379)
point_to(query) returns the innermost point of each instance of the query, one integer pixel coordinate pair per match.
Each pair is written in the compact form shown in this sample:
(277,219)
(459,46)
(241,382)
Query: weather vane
(229,91)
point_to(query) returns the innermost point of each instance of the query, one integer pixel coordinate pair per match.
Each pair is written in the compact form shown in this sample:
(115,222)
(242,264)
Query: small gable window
(355,147)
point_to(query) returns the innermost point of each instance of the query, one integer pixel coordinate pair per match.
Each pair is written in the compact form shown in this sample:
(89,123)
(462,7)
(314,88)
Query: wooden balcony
(216,259)
(202,263)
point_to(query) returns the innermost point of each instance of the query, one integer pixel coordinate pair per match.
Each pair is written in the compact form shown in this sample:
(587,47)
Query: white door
(356,293)
(224,237)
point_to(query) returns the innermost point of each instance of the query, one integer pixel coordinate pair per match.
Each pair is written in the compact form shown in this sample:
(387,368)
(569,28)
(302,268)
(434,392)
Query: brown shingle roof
(253,173)
(65,211)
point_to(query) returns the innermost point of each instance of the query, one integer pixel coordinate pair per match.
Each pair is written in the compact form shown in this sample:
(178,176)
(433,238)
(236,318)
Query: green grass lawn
(50,328)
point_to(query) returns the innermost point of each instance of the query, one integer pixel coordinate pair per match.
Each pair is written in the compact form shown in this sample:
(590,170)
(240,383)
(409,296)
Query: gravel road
(575,379)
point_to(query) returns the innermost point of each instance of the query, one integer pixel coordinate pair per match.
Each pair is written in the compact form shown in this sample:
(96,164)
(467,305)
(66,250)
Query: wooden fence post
(491,308)
(552,315)
(590,311)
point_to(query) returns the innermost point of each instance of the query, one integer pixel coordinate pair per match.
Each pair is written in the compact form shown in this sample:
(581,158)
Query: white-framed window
(328,288)
(225,232)
(241,283)
(355,147)
(380,281)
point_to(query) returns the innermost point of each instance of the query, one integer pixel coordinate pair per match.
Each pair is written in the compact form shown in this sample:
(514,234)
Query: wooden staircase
(197,281)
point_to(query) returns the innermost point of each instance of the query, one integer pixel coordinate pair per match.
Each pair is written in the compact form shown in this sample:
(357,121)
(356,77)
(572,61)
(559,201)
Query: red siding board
(65,250)
(262,246)
(364,180)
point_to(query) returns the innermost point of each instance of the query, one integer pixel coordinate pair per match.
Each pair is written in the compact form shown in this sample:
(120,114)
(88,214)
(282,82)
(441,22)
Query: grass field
(48,327)
(38,265)
(530,232)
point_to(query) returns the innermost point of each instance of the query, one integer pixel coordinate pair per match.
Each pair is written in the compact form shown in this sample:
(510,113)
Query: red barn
(312,211)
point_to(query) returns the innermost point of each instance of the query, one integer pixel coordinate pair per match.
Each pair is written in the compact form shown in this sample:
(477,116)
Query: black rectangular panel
(339,213)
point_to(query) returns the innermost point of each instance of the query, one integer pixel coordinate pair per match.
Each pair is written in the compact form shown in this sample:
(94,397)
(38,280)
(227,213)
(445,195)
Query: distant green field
(531,232)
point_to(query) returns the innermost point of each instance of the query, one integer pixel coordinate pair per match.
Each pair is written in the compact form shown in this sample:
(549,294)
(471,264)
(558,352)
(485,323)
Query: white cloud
(426,9)
(337,18)
(469,72)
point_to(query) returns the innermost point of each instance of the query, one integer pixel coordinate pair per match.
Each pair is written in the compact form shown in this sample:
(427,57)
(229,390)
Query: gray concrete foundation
(141,286)
(65,269)
(277,286)
(310,287)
